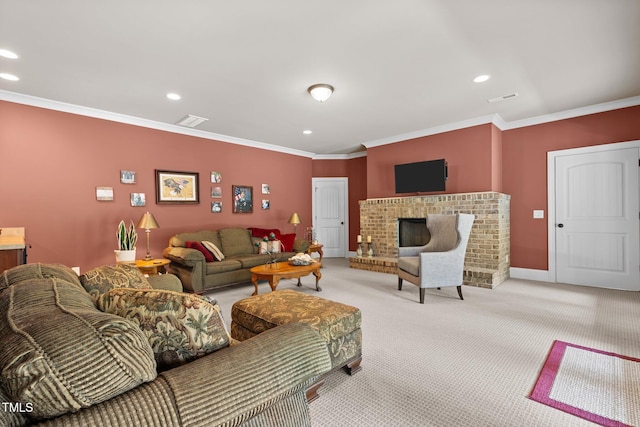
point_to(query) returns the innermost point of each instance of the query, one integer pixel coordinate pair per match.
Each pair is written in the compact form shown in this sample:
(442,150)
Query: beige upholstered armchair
(439,263)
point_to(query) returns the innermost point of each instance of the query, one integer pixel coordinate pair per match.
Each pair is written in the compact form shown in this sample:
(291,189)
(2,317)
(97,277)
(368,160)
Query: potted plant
(127,238)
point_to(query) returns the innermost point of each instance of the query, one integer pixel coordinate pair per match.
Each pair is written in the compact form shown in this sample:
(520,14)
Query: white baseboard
(529,274)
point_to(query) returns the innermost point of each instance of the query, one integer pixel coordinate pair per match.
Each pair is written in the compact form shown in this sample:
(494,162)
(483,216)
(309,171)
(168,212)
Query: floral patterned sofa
(201,270)
(106,349)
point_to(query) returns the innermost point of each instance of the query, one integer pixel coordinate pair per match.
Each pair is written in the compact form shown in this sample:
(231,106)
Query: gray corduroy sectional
(64,362)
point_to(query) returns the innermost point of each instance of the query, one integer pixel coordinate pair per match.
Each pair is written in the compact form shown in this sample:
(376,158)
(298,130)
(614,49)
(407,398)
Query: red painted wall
(52,162)
(525,171)
(469,155)
(356,171)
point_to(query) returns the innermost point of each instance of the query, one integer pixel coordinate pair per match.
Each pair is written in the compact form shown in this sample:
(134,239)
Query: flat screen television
(421,177)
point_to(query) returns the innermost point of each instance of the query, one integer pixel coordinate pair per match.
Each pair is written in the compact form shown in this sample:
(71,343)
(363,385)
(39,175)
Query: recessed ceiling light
(307,132)
(8,54)
(482,78)
(173,96)
(9,77)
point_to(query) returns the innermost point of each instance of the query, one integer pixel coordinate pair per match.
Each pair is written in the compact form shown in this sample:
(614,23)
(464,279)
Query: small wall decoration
(104,194)
(216,177)
(266,204)
(176,187)
(127,177)
(242,198)
(265,189)
(216,192)
(216,207)
(138,199)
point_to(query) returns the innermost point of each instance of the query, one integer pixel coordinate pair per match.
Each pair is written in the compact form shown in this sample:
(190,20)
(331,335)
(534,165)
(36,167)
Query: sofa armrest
(301,245)
(189,265)
(244,379)
(185,256)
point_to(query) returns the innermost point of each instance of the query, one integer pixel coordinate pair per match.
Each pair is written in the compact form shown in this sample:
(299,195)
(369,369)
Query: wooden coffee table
(283,270)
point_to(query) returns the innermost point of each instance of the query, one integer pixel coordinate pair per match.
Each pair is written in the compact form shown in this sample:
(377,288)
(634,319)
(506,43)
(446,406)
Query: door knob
(560,225)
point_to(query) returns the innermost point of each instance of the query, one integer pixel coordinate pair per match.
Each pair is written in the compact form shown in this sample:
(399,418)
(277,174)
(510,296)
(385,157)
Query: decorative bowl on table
(301,259)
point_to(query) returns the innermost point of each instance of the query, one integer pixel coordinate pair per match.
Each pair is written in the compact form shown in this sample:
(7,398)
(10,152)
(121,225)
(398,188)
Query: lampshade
(147,222)
(320,92)
(294,219)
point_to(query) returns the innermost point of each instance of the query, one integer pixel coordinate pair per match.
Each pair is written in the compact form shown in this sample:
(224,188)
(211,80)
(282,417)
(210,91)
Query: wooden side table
(317,247)
(152,267)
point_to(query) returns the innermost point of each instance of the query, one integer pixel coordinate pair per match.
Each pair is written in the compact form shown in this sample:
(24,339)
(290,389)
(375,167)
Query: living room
(60,149)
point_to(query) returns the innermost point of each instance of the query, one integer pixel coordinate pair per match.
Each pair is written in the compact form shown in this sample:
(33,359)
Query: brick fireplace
(488,251)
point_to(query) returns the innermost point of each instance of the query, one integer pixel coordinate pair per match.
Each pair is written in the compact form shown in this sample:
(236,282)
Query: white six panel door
(597,219)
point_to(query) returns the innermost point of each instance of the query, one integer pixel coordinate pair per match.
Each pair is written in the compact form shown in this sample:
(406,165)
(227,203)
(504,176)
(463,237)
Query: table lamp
(295,220)
(147,222)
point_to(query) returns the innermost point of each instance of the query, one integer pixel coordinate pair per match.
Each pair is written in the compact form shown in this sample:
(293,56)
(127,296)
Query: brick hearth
(488,251)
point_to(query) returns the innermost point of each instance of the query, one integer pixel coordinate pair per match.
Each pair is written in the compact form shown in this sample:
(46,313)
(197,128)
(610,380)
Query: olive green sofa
(240,248)
(106,349)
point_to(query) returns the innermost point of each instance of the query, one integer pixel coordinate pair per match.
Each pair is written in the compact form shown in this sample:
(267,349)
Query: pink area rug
(598,386)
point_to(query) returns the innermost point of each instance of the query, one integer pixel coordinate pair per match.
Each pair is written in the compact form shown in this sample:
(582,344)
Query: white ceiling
(398,67)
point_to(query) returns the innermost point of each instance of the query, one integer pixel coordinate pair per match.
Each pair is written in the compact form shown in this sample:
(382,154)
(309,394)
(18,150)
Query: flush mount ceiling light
(320,92)
(307,131)
(173,96)
(191,121)
(482,78)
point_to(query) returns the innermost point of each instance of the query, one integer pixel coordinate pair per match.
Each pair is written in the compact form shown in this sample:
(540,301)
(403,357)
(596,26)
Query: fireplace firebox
(413,232)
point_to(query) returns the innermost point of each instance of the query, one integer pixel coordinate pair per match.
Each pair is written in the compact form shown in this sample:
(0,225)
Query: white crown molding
(434,130)
(340,156)
(137,121)
(495,119)
(576,112)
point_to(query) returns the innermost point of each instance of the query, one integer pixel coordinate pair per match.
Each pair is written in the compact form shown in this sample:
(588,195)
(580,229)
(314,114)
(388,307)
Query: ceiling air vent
(504,97)
(191,121)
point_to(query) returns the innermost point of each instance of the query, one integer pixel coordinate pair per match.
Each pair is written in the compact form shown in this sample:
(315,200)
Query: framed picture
(266,204)
(104,194)
(176,187)
(242,198)
(265,189)
(216,207)
(127,177)
(216,177)
(216,192)
(138,199)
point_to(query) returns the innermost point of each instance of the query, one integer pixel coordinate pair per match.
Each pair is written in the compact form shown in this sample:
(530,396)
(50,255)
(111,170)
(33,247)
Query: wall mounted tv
(421,177)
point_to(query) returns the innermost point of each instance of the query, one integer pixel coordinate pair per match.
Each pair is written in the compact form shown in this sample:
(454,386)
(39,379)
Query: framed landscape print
(242,198)
(176,187)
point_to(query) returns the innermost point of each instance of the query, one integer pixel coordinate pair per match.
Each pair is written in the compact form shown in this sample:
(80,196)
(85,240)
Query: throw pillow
(208,256)
(444,233)
(102,279)
(261,232)
(60,353)
(180,327)
(217,253)
(287,241)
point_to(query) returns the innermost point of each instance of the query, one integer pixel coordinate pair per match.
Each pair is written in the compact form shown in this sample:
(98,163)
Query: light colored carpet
(457,363)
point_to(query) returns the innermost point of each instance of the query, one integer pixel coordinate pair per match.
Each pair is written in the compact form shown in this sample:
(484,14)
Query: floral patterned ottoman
(337,323)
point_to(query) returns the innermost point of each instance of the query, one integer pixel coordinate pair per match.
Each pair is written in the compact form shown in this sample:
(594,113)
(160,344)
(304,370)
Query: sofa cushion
(102,279)
(223,266)
(208,256)
(235,241)
(180,327)
(33,271)
(60,353)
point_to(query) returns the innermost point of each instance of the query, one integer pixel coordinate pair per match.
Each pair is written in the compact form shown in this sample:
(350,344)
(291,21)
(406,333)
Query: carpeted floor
(458,363)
